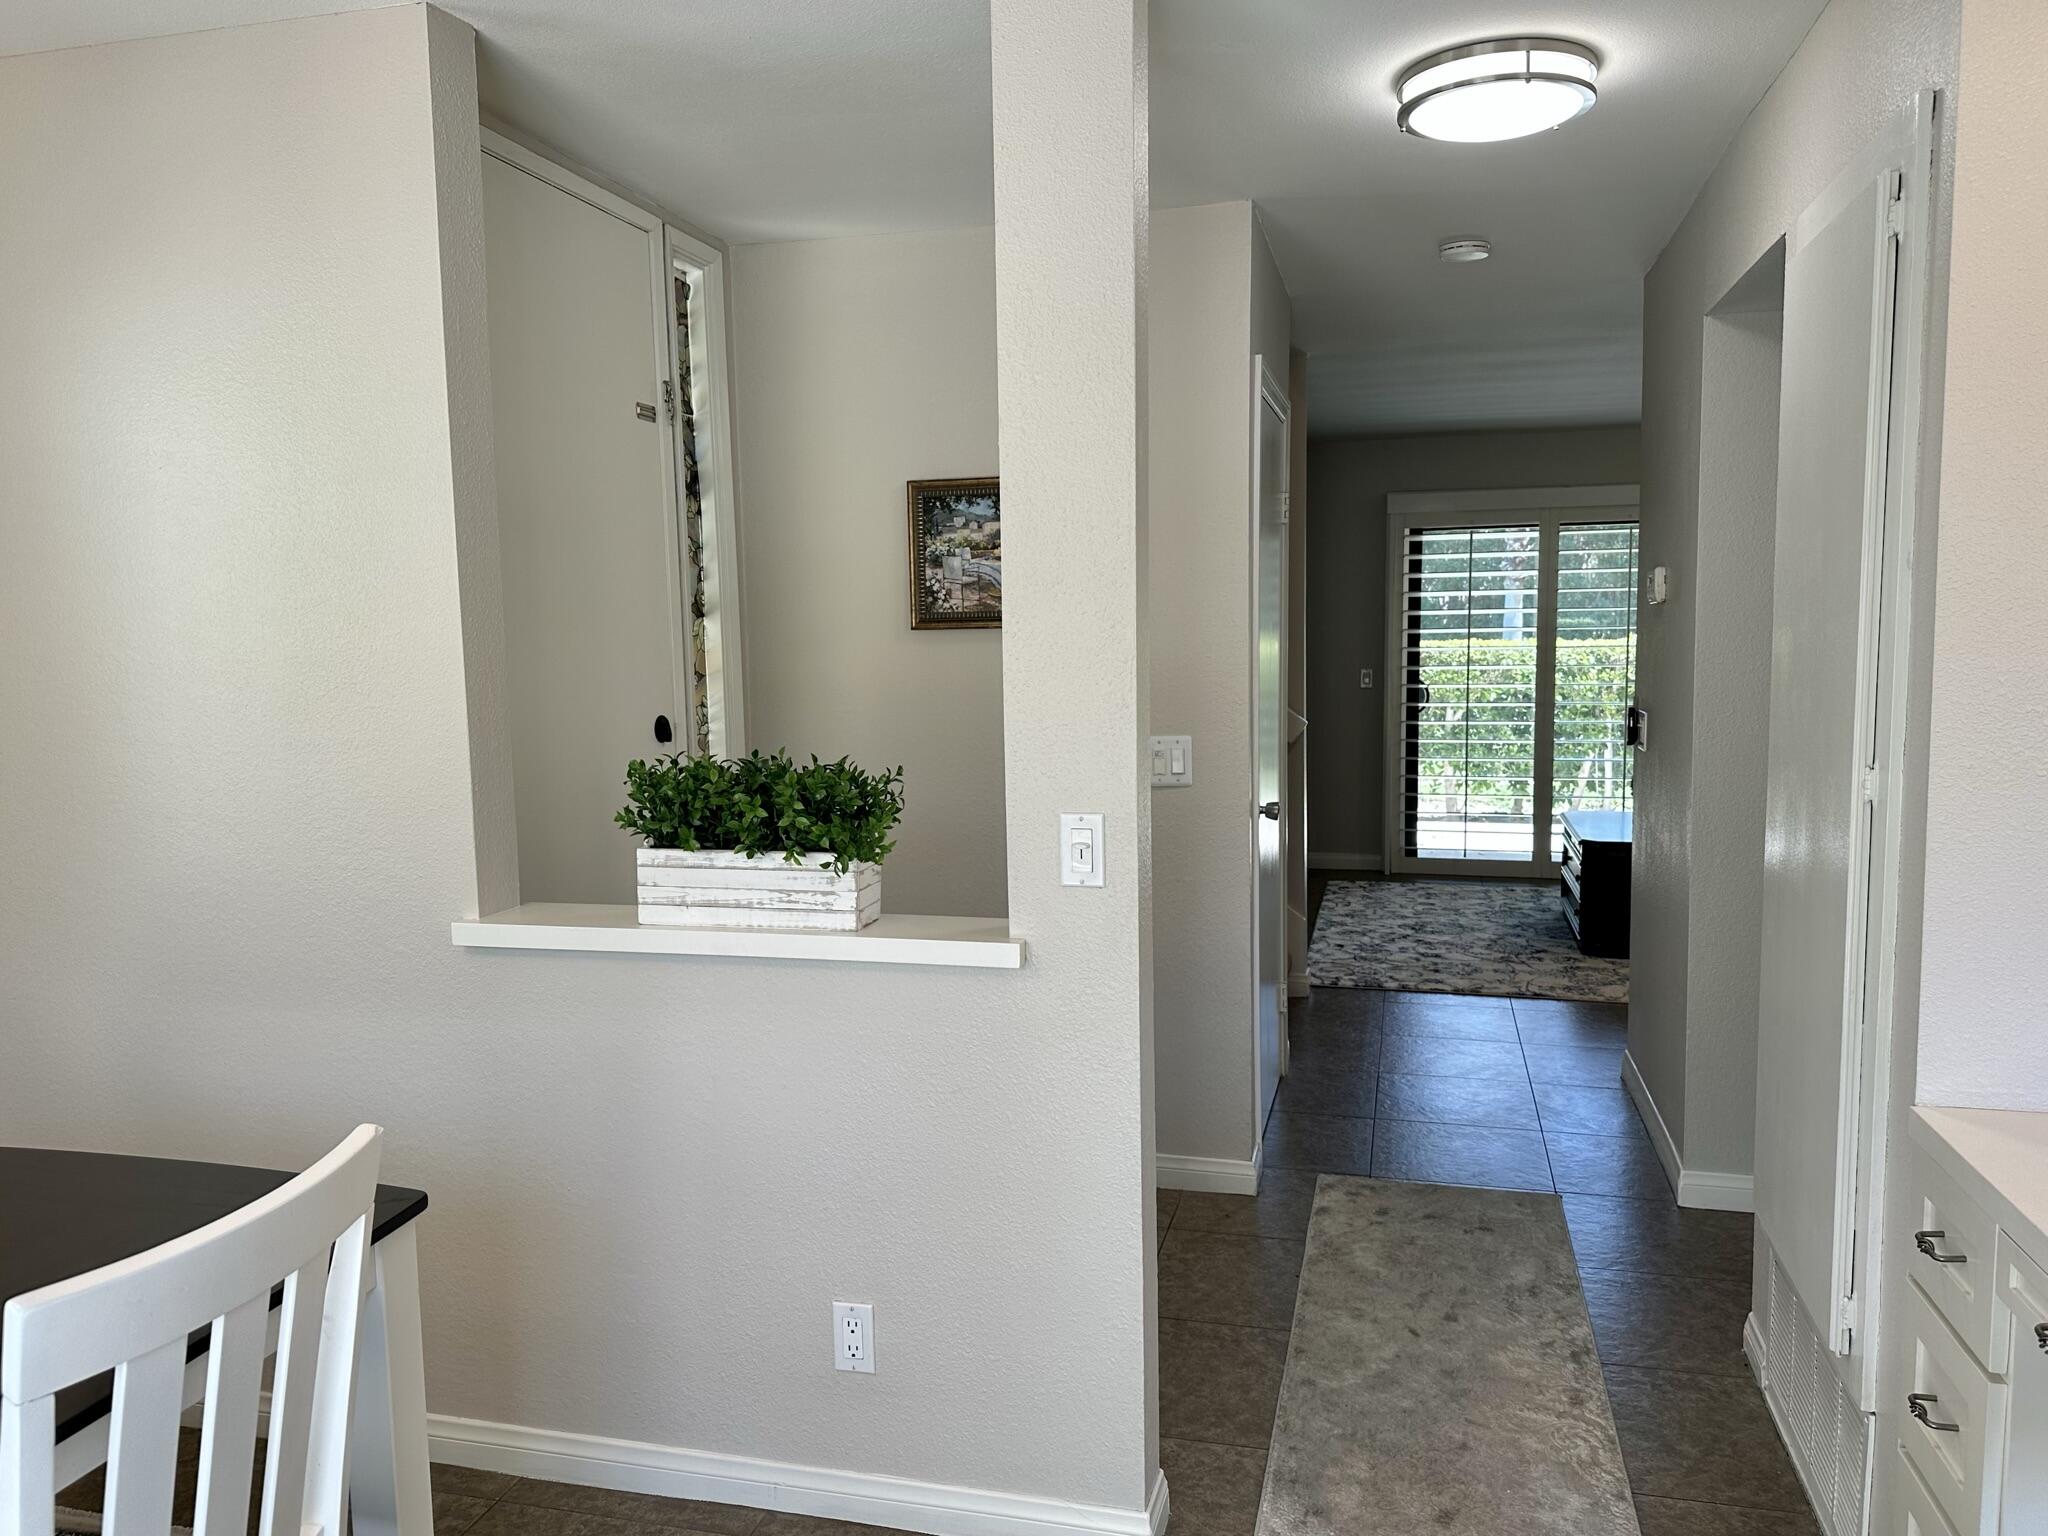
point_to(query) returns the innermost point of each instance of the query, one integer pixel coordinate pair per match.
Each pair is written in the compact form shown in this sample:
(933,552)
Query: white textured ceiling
(782,119)
(1292,105)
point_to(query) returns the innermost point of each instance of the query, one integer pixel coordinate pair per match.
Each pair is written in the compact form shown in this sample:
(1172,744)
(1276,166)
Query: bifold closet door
(1841,270)
(587,532)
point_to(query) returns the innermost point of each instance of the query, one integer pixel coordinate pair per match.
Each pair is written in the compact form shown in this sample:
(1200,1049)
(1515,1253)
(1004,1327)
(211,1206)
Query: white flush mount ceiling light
(1464,250)
(1505,89)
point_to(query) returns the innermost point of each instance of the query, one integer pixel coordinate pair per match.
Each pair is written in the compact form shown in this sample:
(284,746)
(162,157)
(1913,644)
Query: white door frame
(717,479)
(1548,509)
(1267,394)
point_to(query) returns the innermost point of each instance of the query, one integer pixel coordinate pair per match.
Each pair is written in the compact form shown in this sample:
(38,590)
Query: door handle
(1916,1405)
(1270,810)
(1925,1242)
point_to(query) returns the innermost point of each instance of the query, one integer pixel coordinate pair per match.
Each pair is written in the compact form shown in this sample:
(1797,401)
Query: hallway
(1487,1092)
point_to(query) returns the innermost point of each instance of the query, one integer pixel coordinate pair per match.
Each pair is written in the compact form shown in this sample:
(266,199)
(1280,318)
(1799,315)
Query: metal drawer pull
(2041,1334)
(1916,1405)
(1925,1242)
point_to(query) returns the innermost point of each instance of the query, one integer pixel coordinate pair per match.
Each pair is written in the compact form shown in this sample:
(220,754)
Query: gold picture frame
(956,553)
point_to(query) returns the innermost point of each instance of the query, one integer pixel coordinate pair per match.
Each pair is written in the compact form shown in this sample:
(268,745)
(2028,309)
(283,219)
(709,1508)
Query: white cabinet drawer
(1950,1390)
(1952,1255)
(1914,1509)
(2023,1458)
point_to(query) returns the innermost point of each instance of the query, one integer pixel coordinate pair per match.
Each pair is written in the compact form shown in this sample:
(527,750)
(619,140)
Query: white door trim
(718,483)
(1268,394)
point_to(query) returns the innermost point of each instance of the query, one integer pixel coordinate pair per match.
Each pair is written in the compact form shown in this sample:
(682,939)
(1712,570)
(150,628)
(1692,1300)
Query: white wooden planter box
(723,889)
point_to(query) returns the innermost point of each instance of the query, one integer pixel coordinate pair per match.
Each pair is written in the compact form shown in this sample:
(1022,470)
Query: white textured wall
(236,524)
(862,364)
(1071,201)
(1349,479)
(1986,967)
(1695,909)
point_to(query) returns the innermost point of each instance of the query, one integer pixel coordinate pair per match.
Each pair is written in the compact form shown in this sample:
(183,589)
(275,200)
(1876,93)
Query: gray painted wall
(1217,300)
(248,636)
(865,362)
(1348,483)
(1703,661)
(862,364)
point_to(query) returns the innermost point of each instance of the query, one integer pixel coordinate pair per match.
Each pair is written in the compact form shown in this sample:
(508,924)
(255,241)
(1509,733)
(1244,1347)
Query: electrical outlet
(853,1336)
(1365,677)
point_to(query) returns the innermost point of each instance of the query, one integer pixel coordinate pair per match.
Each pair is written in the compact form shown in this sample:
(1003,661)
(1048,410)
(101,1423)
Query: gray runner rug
(1441,1378)
(1495,938)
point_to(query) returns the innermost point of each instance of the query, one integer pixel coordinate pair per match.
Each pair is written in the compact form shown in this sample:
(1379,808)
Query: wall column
(1071,202)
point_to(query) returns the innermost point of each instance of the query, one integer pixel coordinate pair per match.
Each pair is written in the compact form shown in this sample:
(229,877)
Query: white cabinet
(2022,1317)
(1971,1457)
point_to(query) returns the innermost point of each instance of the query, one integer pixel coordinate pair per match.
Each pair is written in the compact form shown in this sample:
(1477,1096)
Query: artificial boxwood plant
(760,805)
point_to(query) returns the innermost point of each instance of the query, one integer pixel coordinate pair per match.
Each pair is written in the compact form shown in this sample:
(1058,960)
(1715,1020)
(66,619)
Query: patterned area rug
(1490,937)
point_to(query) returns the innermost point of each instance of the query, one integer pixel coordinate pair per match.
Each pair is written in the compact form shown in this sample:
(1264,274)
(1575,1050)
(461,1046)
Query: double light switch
(1173,761)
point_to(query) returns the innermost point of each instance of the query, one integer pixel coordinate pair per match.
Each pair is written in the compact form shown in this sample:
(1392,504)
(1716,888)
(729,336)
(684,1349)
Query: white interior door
(586,522)
(1269,705)
(1841,274)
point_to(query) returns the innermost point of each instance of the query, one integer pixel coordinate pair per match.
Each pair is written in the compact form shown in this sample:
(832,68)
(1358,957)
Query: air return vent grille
(1830,1438)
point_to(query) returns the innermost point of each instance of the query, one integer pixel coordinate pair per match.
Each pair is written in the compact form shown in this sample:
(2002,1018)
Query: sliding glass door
(1513,632)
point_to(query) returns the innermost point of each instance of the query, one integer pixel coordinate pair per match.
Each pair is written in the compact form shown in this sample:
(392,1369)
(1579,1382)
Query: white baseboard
(1297,984)
(1697,1189)
(1345,861)
(1753,1348)
(864,1497)
(1209,1175)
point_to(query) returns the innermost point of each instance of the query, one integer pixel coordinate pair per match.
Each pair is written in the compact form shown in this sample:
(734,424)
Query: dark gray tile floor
(1504,1094)
(472,1503)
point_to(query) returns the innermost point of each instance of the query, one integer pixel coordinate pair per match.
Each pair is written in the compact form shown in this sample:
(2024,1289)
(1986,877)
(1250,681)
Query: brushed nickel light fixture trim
(1507,88)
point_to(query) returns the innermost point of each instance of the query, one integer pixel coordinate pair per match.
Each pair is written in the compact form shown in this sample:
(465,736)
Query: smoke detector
(1464,250)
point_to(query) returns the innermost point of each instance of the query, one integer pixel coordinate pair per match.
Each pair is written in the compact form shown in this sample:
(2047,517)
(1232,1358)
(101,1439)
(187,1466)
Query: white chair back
(135,1317)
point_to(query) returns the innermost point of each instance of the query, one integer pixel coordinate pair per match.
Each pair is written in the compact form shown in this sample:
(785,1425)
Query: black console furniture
(1594,879)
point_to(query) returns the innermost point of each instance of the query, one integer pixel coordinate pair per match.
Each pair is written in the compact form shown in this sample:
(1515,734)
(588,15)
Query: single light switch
(1080,849)
(1173,761)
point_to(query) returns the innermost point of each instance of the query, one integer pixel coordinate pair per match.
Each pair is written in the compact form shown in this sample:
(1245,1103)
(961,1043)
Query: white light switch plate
(1080,848)
(1173,761)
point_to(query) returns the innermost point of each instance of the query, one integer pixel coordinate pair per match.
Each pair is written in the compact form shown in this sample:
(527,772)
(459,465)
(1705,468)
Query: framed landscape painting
(956,554)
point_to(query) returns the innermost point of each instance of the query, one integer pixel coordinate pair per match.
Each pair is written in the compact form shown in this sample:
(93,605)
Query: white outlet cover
(853,1336)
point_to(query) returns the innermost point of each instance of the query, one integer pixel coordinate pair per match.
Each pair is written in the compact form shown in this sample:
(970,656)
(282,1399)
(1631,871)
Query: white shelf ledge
(892,939)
